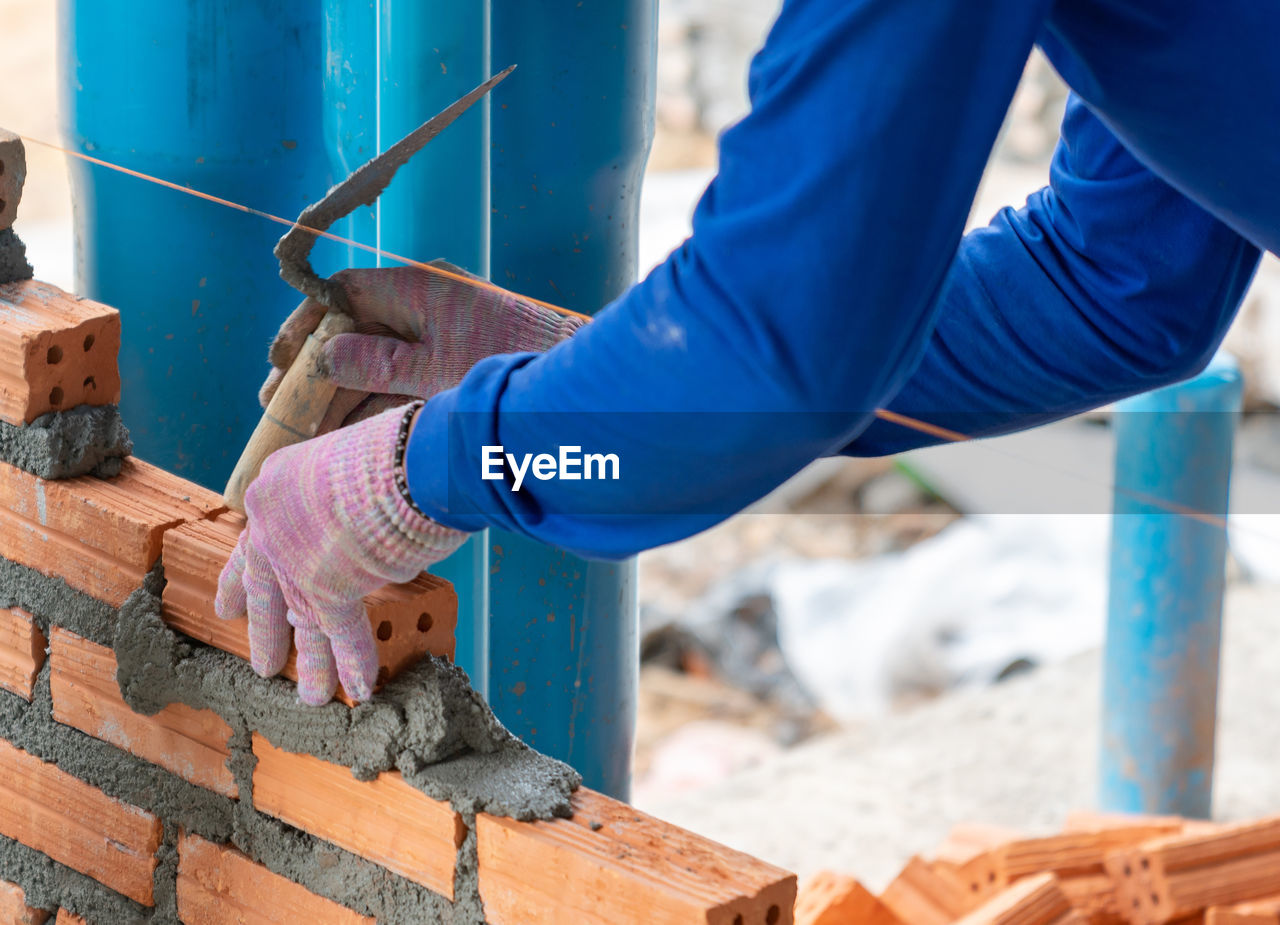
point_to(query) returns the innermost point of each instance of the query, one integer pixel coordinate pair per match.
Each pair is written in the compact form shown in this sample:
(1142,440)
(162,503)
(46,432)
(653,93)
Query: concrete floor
(1021,754)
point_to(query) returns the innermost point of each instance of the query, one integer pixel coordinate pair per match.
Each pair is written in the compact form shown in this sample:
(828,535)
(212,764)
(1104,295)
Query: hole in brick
(2,205)
(88,342)
(1146,864)
(424,622)
(90,383)
(991,877)
(973,887)
(737,919)
(1155,900)
(384,630)
(1128,872)
(55,395)
(54,356)
(382,676)
(1,172)
(1135,903)
(773,915)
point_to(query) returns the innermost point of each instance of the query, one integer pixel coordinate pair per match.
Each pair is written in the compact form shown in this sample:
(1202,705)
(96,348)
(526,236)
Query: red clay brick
(56,351)
(100,535)
(923,894)
(217,885)
(1037,900)
(1170,878)
(68,918)
(14,909)
(409,620)
(77,825)
(829,898)
(384,820)
(190,743)
(612,865)
(21,651)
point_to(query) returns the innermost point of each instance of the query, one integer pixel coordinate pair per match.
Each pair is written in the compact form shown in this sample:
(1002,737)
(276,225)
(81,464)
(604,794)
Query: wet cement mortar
(63,444)
(13,258)
(428,723)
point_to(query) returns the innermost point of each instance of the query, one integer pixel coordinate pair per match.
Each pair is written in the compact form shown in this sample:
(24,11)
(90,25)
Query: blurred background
(895,643)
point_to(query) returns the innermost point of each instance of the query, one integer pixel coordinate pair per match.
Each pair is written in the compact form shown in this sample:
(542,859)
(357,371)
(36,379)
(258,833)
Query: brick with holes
(57,351)
(409,620)
(829,898)
(1176,876)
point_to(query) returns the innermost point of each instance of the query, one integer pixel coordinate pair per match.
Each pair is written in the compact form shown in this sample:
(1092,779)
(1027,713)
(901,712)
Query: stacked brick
(1100,870)
(148,775)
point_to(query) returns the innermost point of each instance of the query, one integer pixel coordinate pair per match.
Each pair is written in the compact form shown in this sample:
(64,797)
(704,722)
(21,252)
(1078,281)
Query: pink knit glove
(327,526)
(417,333)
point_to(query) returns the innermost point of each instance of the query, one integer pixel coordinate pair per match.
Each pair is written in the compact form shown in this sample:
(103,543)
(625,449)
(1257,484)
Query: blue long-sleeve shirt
(826,276)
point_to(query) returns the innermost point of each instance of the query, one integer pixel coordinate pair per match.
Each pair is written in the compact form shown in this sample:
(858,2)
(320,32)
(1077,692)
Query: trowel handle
(295,411)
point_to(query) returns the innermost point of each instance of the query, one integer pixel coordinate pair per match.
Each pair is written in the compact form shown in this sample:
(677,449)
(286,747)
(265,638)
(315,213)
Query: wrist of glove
(418,332)
(328,524)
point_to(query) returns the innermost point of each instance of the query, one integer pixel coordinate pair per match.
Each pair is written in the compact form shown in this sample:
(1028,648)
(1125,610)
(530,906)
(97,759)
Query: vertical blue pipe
(220,95)
(390,66)
(570,141)
(1160,671)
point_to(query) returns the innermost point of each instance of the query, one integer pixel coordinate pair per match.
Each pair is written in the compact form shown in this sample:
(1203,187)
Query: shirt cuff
(427,461)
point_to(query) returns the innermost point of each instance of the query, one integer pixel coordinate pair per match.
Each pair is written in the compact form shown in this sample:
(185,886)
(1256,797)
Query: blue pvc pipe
(220,95)
(390,66)
(1160,666)
(570,142)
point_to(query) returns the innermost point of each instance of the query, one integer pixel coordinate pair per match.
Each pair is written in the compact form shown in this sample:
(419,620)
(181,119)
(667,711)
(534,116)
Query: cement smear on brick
(64,444)
(13,258)
(428,722)
(49,885)
(52,601)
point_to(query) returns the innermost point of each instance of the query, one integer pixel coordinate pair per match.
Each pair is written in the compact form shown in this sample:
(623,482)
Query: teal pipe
(389,66)
(570,140)
(219,95)
(1168,567)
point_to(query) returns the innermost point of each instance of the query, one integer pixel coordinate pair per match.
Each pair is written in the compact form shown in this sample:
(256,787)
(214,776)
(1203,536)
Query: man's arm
(1107,283)
(801,302)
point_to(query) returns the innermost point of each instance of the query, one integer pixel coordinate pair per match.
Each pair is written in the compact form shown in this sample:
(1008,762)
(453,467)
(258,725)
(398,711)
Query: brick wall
(148,775)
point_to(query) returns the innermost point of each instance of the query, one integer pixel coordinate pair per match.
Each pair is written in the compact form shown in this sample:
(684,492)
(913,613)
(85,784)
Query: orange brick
(409,620)
(1037,900)
(68,918)
(56,351)
(21,651)
(77,825)
(829,898)
(190,743)
(970,853)
(1088,820)
(100,535)
(612,865)
(384,820)
(217,885)
(14,909)
(1258,912)
(1170,878)
(923,894)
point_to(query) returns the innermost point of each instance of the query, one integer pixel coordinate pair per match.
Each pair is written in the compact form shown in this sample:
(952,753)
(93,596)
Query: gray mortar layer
(115,772)
(13,258)
(428,722)
(49,885)
(87,439)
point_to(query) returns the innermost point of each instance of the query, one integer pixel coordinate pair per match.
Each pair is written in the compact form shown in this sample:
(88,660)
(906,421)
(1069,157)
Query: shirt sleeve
(1107,283)
(800,303)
